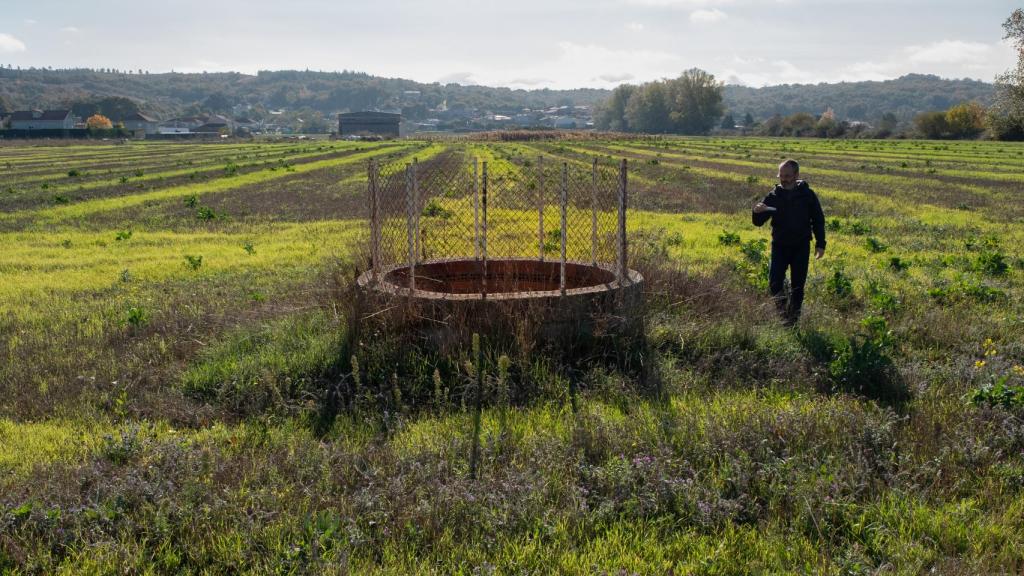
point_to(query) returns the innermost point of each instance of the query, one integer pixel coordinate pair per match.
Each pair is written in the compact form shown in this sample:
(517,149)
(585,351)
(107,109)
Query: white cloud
(686,4)
(70,30)
(635,26)
(464,78)
(10,44)
(530,81)
(949,52)
(947,59)
(741,61)
(770,74)
(615,78)
(571,65)
(30,22)
(707,16)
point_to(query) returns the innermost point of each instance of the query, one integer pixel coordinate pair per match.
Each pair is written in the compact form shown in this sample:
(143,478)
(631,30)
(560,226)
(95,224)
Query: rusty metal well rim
(367,280)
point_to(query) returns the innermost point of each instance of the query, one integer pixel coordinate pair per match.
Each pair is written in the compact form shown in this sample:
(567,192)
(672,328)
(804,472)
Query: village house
(214,125)
(181,125)
(140,124)
(42,120)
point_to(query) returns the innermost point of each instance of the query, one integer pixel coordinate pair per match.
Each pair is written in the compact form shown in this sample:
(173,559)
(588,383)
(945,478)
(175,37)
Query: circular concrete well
(516,298)
(531,253)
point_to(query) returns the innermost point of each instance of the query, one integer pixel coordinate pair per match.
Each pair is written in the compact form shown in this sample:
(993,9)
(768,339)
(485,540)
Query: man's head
(789,171)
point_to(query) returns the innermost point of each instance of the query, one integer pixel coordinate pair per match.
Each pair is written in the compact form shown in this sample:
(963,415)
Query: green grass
(179,394)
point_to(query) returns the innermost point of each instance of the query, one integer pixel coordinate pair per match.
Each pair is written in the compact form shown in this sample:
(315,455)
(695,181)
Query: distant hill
(905,96)
(170,94)
(326,93)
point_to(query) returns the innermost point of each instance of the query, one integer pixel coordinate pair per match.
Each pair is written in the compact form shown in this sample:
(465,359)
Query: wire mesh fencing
(455,206)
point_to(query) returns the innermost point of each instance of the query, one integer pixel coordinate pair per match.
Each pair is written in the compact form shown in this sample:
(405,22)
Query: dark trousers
(796,259)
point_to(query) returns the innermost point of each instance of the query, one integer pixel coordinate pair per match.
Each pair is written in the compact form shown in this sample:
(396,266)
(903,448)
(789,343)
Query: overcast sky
(520,43)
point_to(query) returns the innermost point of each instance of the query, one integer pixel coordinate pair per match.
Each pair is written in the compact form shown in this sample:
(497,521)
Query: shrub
(897,264)
(137,317)
(433,209)
(193,262)
(553,241)
(965,289)
(992,262)
(754,250)
(862,364)
(206,213)
(884,300)
(839,284)
(858,228)
(674,239)
(125,446)
(999,393)
(874,245)
(727,238)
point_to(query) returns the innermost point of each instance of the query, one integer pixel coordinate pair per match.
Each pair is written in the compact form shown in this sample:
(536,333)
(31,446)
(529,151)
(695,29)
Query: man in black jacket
(795,213)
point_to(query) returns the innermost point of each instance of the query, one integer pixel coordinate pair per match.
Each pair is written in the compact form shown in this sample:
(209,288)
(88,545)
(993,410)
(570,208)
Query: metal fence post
(623,265)
(593,213)
(540,206)
(476,208)
(410,226)
(418,210)
(565,201)
(374,222)
(483,277)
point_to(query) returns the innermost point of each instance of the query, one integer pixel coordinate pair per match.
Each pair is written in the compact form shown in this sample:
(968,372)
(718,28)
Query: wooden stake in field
(478,353)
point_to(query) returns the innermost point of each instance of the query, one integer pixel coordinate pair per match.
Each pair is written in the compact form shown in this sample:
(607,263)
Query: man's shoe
(790,319)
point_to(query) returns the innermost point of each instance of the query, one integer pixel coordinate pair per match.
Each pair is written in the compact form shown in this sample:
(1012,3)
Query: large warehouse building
(383,124)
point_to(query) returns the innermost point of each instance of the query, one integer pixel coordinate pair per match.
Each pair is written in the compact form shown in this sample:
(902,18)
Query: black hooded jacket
(797,214)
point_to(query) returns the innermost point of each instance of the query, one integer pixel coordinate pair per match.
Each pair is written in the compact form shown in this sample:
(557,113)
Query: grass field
(172,326)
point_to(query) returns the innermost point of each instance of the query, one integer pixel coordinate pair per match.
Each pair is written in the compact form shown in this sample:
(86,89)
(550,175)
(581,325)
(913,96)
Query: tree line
(692,104)
(689,104)
(1003,119)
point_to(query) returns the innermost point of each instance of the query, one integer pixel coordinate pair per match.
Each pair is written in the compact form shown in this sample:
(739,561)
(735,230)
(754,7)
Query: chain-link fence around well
(457,207)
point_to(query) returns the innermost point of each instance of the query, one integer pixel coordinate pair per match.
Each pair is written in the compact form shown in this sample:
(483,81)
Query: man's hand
(819,253)
(761,207)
